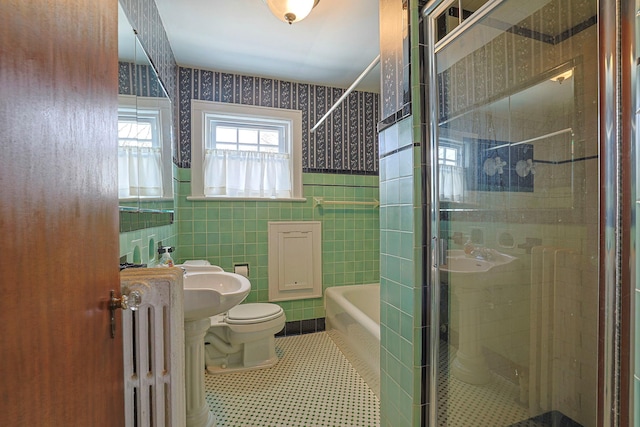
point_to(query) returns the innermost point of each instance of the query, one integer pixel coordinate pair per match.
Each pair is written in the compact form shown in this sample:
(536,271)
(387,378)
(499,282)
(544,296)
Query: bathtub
(353,322)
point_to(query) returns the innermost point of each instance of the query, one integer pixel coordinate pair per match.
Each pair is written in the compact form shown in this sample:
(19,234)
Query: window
(451,171)
(248,137)
(245,152)
(144,148)
(448,155)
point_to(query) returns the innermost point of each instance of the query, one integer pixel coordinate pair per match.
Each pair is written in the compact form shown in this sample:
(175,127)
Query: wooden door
(58,214)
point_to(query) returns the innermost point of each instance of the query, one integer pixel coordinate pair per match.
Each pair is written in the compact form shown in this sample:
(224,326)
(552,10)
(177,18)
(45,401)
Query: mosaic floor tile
(492,404)
(369,375)
(313,385)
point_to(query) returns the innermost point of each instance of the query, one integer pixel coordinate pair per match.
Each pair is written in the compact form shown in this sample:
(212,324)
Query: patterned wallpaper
(139,80)
(346,142)
(515,58)
(394,58)
(145,19)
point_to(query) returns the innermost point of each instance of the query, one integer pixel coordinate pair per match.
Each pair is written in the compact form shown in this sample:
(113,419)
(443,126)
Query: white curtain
(451,183)
(246,174)
(139,172)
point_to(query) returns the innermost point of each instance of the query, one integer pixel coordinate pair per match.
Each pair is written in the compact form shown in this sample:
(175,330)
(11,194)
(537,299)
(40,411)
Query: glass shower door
(513,113)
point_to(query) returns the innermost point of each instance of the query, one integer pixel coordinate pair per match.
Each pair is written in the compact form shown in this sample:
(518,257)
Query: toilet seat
(245,314)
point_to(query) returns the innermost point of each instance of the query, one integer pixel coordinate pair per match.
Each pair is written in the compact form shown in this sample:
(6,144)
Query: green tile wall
(140,246)
(230,232)
(401,277)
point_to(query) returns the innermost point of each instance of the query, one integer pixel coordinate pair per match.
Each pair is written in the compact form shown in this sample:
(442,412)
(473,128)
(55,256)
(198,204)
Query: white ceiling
(331,47)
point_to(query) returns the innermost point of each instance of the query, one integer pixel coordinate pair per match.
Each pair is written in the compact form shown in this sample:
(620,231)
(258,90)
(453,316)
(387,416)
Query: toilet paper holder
(241,269)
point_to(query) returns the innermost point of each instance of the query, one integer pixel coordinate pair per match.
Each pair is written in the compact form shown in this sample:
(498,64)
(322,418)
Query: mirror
(145,135)
(495,149)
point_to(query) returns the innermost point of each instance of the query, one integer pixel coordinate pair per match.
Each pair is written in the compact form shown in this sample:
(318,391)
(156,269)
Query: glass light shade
(291,11)
(563,76)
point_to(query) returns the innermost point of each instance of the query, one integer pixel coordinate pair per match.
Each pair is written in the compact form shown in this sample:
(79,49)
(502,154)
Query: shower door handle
(443,247)
(439,249)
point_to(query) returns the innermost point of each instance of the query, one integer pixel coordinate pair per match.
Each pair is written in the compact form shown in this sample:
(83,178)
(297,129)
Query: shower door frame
(618,104)
(617,122)
(617,207)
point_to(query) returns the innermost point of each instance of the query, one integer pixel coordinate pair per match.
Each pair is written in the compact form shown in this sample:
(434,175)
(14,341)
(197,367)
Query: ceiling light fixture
(291,10)
(563,76)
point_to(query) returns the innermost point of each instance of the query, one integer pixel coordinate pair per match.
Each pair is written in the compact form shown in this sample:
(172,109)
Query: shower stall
(525,200)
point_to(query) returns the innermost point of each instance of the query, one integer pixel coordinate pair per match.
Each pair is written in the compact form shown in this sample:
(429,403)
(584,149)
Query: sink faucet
(478,252)
(482,253)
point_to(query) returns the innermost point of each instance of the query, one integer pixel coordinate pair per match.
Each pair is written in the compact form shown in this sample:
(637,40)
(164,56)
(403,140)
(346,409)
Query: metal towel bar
(319,201)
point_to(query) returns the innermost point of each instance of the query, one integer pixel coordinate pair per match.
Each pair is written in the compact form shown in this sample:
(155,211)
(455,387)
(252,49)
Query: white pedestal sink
(208,291)
(468,276)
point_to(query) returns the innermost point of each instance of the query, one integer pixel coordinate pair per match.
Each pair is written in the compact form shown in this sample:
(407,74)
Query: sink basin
(200,303)
(466,271)
(466,265)
(467,276)
(208,292)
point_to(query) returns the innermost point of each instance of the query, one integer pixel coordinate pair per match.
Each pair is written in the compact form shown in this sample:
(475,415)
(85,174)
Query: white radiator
(563,341)
(153,347)
(555,329)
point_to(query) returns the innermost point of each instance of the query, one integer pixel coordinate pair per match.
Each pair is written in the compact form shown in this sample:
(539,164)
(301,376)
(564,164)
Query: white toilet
(243,338)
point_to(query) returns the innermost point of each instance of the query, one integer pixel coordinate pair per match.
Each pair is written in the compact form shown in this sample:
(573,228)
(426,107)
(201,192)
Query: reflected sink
(211,291)
(466,265)
(468,271)
(468,276)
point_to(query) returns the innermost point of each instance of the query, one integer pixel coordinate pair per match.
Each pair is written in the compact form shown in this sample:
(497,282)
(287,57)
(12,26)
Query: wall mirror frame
(145,137)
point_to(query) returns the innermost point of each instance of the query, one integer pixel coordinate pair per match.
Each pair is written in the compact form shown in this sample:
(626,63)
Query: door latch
(131,302)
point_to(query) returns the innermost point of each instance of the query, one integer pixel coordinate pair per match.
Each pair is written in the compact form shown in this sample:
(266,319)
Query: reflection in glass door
(514,134)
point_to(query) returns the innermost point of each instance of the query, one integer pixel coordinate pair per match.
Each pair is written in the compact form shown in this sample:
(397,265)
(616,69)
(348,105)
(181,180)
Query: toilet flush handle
(130,301)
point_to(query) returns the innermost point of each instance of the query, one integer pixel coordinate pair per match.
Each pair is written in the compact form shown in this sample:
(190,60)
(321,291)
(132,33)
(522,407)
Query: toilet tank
(295,260)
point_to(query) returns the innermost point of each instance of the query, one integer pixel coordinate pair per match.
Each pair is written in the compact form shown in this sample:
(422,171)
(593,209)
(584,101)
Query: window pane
(133,134)
(451,154)
(268,137)
(145,132)
(452,17)
(446,22)
(226,134)
(247,136)
(471,6)
(269,149)
(124,142)
(226,147)
(126,130)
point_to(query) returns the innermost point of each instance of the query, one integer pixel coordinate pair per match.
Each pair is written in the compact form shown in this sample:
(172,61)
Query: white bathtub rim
(336,293)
